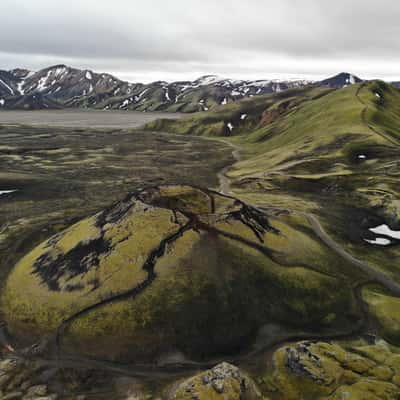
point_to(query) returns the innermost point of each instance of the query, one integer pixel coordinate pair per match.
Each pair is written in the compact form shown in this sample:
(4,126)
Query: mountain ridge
(61,86)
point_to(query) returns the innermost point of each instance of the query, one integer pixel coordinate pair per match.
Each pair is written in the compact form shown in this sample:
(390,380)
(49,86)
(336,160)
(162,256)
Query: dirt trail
(224,181)
(373,274)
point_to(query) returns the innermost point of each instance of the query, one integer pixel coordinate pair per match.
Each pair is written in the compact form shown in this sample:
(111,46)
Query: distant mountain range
(61,86)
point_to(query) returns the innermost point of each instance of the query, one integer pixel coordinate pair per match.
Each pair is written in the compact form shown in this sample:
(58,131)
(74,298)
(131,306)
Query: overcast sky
(182,39)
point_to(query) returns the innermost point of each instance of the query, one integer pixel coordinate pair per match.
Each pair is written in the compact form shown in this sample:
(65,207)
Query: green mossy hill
(174,268)
(337,157)
(334,146)
(358,370)
(238,117)
(332,128)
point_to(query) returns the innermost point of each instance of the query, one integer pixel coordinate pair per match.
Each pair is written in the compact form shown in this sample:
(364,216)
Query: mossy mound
(223,382)
(169,268)
(359,370)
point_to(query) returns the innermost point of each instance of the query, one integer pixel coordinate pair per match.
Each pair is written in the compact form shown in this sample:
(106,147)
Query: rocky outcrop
(22,380)
(333,371)
(272,114)
(302,362)
(224,381)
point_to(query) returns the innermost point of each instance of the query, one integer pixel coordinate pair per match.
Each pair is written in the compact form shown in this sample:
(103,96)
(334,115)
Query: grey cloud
(180,38)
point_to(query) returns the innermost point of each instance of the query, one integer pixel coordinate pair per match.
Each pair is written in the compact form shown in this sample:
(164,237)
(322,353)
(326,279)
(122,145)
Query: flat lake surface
(83,118)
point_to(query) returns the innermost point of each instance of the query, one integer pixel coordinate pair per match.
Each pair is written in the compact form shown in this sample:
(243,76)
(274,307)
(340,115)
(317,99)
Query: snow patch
(243,117)
(379,241)
(43,82)
(7,191)
(203,105)
(2,102)
(8,87)
(125,103)
(208,80)
(137,98)
(224,101)
(89,75)
(362,157)
(261,84)
(378,95)
(20,87)
(230,126)
(386,230)
(59,71)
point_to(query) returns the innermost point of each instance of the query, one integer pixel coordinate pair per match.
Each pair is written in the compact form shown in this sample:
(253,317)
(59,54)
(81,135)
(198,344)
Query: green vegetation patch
(385,310)
(333,371)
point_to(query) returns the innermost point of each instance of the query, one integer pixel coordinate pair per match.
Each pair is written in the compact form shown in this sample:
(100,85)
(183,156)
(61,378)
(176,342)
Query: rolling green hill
(244,116)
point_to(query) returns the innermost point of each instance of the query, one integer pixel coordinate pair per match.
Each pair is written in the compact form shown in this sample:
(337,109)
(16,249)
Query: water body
(83,118)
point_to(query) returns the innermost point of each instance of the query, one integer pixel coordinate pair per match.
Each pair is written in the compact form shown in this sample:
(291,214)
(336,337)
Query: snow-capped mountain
(65,83)
(340,80)
(8,84)
(199,95)
(61,86)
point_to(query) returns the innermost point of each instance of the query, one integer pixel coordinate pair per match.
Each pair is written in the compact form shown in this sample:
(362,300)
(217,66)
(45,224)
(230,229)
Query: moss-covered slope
(357,370)
(176,268)
(240,117)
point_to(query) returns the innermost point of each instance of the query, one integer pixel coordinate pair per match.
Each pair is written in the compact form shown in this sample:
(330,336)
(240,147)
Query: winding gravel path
(371,272)
(224,181)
